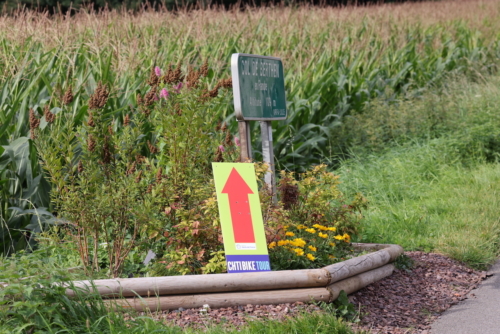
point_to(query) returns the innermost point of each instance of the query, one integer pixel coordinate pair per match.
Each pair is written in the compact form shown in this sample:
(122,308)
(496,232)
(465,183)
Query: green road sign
(258,87)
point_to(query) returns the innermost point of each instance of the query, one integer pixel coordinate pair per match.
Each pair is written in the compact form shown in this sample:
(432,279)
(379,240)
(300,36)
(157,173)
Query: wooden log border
(271,287)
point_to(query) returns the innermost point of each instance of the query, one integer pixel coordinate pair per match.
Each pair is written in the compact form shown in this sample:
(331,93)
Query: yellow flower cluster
(346,237)
(323,235)
(297,242)
(324,228)
(283,242)
(312,248)
(299,251)
(298,246)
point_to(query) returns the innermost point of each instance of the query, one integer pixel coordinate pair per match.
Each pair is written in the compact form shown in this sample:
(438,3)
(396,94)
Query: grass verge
(440,193)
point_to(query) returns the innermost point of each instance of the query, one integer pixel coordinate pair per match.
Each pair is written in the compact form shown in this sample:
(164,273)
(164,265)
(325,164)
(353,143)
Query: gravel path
(405,302)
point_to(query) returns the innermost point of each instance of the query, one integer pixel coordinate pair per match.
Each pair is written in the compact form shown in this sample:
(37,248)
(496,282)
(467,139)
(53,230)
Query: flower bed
(142,181)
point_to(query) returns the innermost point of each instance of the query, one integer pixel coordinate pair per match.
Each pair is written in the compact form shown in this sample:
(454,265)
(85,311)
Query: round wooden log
(360,264)
(217,300)
(176,285)
(255,282)
(355,283)
(369,246)
(227,299)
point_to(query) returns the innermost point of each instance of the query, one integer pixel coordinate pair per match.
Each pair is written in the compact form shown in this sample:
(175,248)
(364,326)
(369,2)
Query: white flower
(204,310)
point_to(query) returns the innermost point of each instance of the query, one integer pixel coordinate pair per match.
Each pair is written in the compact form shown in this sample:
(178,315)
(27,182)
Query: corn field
(336,61)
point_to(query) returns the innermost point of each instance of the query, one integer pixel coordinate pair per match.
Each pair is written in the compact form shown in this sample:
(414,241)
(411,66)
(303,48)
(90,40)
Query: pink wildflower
(157,71)
(156,98)
(237,141)
(178,87)
(164,93)
(221,148)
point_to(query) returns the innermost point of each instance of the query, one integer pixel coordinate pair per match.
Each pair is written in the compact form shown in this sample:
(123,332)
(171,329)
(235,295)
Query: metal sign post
(259,95)
(245,141)
(268,155)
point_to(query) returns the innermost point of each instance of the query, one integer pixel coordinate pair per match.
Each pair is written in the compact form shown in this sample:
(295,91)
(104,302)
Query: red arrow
(241,218)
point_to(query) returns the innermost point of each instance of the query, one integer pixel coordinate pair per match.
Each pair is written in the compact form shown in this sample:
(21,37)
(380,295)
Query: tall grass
(436,190)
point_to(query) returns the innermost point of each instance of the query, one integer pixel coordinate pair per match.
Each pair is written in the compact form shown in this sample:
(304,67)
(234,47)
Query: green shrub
(312,226)
(121,183)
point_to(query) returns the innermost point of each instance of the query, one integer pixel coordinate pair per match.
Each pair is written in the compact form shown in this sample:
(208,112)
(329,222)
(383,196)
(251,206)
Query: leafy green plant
(341,308)
(312,226)
(33,300)
(122,183)
(24,193)
(404,262)
(99,190)
(189,138)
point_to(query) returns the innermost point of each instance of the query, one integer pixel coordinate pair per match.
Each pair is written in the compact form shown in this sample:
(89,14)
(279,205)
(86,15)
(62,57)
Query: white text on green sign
(258,87)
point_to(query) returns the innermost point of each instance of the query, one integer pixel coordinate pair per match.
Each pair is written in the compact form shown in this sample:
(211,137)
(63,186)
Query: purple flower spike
(237,141)
(178,87)
(164,93)
(221,148)
(157,71)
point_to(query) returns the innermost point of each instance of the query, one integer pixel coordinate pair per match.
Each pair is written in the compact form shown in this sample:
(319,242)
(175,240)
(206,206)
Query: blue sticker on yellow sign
(241,217)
